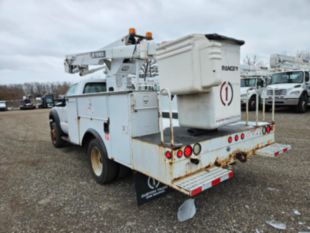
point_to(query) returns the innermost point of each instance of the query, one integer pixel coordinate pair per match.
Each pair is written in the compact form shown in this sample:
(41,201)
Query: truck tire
(103,169)
(56,135)
(302,103)
(252,103)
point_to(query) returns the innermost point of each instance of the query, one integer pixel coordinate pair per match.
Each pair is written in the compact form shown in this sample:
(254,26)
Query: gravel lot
(44,189)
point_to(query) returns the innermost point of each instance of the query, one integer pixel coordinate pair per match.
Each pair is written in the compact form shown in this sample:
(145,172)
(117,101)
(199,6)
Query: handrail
(257,106)
(273,104)
(165,91)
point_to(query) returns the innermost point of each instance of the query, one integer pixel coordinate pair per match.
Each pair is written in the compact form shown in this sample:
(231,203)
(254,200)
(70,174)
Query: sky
(35,35)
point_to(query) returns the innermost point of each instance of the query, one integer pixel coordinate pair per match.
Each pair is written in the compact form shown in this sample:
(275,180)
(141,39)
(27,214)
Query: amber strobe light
(132,31)
(148,35)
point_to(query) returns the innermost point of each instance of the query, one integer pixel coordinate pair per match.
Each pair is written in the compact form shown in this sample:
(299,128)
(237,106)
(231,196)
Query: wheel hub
(96,161)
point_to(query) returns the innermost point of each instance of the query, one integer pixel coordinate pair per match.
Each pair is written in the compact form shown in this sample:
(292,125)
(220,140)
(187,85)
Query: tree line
(35,89)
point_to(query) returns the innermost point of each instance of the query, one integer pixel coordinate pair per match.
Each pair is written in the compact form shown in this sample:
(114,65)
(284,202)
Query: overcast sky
(35,35)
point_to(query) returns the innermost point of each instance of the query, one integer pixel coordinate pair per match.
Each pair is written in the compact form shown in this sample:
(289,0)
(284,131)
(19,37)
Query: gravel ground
(44,189)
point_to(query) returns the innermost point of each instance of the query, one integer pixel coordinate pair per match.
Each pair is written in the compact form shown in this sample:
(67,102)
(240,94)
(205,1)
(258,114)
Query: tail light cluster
(267,129)
(236,138)
(187,151)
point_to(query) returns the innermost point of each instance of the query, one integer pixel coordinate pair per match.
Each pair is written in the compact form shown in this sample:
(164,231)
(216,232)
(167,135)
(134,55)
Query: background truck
(292,88)
(26,103)
(120,123)
(290,81)
(46,101)
(250,86)
(3,106)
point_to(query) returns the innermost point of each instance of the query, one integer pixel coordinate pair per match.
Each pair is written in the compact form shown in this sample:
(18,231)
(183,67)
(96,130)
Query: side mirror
(307,78)
(60,102)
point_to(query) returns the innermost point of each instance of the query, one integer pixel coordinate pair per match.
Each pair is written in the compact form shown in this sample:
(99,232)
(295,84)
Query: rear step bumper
(273,150)
(195,184)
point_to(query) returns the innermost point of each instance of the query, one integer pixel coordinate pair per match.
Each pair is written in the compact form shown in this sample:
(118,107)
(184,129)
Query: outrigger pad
(147,188)
(273,150)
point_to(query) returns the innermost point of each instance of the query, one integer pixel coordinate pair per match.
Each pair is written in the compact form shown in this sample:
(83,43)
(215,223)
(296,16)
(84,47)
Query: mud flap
(148,189)
(273,150)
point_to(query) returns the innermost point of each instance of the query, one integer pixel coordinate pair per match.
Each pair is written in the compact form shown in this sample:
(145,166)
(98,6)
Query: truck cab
(62,110)
(249,87)
(291,88)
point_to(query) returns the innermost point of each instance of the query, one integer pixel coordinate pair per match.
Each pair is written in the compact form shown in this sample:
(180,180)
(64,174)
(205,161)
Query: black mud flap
(148,189)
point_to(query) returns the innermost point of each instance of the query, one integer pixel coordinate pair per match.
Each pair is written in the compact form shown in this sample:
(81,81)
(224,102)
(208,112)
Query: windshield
(287,77)
(248,82)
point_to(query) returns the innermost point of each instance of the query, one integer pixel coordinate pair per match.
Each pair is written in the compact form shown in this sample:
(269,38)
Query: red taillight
(188,151)
(168,154)
(236,137)
(268,129)
(179,153)
(230,139)
(242,136)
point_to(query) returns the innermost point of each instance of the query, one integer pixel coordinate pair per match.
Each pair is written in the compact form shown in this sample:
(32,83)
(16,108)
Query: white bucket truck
(121,125)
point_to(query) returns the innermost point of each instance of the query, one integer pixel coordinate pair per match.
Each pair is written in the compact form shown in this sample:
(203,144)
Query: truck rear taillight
(188,150)
(179,153)
(236,137)
(268,129)
(242,136)
(168,154)
(230,139)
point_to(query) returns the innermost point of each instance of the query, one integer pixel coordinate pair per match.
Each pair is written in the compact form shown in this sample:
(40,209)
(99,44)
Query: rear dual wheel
(104,169)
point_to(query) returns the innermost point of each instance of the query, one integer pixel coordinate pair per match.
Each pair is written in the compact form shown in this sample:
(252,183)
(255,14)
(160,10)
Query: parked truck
(289,82)
(3,106)
(251,86)
(121,124)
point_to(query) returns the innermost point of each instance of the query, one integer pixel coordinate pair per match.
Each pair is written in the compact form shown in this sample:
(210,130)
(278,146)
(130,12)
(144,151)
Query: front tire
(103,169)
(302,104)
(56,135)
(252,103)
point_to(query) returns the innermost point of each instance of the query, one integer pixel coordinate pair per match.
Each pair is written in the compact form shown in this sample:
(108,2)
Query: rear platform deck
(185,136)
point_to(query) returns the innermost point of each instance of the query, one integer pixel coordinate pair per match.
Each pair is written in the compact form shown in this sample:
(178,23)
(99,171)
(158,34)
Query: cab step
(195,184)
(273,150)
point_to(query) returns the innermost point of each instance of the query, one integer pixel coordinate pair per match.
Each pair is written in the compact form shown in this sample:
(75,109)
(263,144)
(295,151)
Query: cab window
(72,90)
(95,87)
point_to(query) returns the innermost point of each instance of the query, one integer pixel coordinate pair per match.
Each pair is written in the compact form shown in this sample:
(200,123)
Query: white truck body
(125,124)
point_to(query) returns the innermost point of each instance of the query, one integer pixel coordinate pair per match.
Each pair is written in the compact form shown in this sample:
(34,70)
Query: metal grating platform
(203,180)
(274,150)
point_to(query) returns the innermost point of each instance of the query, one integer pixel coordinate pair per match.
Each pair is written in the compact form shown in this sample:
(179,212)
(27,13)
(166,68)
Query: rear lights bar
(187,151)
(265,130)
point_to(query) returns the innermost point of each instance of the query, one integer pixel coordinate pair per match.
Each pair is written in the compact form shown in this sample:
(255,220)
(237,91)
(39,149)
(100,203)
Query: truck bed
(185,136)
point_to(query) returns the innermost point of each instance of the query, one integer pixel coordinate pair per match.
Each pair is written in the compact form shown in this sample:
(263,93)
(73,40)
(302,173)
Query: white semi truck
(121,124)
(289,82)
